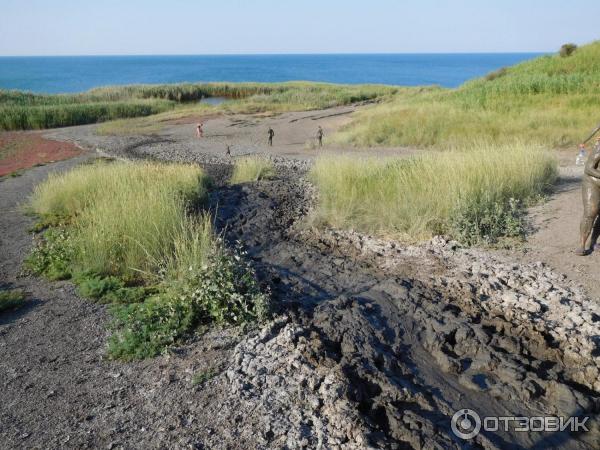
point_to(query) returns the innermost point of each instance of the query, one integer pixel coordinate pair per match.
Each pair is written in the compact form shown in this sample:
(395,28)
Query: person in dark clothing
(271,133)
(320,136)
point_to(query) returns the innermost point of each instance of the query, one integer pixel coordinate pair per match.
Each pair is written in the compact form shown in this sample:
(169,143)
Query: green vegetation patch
(202,377)
(23,111)
(11,299)
(551,100)
(222,292)
(475,195)
(252,168)
(132,235)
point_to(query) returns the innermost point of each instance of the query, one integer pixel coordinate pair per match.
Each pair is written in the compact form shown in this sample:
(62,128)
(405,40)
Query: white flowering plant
(223,291)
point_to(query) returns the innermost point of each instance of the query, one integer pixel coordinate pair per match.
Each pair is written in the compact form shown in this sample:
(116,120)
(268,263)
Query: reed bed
(23,111)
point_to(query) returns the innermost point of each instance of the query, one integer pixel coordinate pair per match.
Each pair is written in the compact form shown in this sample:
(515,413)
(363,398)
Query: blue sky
(81,27)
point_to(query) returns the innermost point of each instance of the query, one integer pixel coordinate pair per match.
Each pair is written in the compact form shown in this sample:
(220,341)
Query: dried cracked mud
(374,344)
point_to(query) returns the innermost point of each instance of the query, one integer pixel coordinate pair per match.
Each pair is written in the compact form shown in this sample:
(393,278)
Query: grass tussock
(23,111)
(131,235)
(475,195)
(551,100)
(252,168)
(11,299)
(129,217)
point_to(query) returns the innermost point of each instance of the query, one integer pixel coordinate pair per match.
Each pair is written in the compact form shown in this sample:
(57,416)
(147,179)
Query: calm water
(80,73)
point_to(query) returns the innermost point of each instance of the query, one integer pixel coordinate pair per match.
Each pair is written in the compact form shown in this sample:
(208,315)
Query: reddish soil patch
(21,150)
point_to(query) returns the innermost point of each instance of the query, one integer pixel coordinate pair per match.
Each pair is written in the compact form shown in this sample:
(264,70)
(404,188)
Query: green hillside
(551,100)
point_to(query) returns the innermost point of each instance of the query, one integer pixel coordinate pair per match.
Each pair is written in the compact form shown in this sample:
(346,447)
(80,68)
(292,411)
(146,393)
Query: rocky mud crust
(386,341)
(374,344)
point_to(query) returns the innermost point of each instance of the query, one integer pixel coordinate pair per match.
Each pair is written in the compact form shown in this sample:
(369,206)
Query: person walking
(271,133)
(199,130)
(320,136)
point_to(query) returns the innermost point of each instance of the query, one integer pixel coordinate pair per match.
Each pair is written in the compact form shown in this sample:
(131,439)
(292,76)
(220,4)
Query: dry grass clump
(472,194)
(129,219)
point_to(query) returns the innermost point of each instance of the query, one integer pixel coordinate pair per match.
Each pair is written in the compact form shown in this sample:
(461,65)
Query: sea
(68,74)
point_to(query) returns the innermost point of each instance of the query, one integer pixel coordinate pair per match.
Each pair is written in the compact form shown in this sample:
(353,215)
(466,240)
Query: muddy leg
(595,233)
(591,203)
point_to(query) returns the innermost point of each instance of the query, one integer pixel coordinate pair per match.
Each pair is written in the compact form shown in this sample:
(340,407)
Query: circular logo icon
(466,424)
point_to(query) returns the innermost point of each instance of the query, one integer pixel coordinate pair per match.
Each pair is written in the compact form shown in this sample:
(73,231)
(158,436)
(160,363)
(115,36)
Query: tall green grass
(129,219)
(550,100)
(16,117)
(469,194)
(252,168)
(131,235)
(21,110)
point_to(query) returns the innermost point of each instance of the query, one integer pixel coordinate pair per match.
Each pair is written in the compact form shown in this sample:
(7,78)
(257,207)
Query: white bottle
(580,161)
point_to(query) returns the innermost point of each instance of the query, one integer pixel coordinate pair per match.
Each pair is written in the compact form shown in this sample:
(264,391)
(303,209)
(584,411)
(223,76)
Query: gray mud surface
(374,344)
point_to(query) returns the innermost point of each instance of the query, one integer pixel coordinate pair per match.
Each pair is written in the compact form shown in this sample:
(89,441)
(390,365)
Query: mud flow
(377,345)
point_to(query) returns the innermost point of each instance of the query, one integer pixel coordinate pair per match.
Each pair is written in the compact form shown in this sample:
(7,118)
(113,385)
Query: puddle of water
(481,381)
(214,101)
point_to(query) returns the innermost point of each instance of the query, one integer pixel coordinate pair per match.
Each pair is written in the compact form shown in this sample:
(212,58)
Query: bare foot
(581,252)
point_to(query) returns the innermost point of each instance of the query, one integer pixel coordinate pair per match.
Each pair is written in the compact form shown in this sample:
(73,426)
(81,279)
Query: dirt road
(295,136)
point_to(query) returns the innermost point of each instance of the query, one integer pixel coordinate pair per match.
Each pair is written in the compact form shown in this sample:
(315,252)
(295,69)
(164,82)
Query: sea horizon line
(108,55)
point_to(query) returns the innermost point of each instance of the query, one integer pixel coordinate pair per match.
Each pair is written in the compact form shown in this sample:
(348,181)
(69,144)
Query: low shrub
(53,256)
(203,377)
(110,289)
(223,292)
(567,50)
(478,221)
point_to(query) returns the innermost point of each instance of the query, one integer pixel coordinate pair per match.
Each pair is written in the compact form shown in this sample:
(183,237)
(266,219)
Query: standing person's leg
(591,207)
